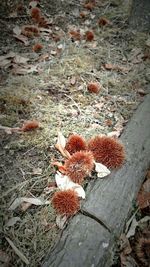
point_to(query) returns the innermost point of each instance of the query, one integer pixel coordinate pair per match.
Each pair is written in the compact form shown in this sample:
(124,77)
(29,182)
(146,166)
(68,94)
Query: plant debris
(49,84)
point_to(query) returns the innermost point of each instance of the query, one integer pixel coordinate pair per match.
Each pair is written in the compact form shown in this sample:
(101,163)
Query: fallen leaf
(17,251)
(61,140)
(115,67)
(130,262)
(22,38)
(12,221)
(24,70)
(143,200)
(146,185)
(7,56)
(75,35)
(49,31)
(132,228)
(37,171)
(35,201)
(25,206)
(6,63)
(101,170)
(61,221)
(114,134)
(60,47)
(73,80)
(33,4)
(63,182)
(53,52)
(60,145)
(143,220)
(17,30)
(125,249)
(143,197)
(20,60)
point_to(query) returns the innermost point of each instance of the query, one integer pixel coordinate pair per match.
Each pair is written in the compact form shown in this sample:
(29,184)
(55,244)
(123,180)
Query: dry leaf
(12,221)
(143,220)
(143,197)
(6,63)
(37,171)
(17,30)
(146,185)
(25,206)
(20,60)
(53,52)
(63,182)
(61,139)
(125,248)
(143,200)
(49,31)
(35,201)
(61,221)
(60,145)
(73,80)
(101,170)
(24,70)
(132,228)
(114,134)
(115,67)
(7,56)
(17,251)
(33,4)
(75,35)
(23,39)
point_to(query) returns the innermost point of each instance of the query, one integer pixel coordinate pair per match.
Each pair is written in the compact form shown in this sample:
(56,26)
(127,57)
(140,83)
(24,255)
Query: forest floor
(51,87)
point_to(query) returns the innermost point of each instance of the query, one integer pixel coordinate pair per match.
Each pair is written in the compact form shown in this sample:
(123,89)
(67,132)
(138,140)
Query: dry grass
(51,99)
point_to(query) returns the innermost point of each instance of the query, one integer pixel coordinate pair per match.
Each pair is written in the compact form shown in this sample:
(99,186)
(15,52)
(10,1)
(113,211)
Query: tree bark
(140,15)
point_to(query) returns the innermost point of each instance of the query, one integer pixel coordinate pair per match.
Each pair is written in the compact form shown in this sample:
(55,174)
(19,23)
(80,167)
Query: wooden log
(90,237)
(84,243)
(139,18)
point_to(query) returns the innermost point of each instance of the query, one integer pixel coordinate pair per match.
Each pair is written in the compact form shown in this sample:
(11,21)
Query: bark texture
(140,15)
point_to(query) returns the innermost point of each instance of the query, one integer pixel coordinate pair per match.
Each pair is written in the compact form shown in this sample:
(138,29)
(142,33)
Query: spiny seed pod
(107,150)
(66,202)
(75,143)
(79,166)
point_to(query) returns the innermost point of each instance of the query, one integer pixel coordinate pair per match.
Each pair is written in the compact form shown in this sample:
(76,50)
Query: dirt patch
(56,95)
